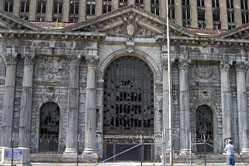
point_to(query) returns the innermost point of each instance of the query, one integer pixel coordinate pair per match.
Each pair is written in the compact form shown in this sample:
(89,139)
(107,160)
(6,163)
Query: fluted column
(209,14)
(82,10)
(242,107)
(8,100)
(66,9)
(32,10)
(193,14)
(237,13)
(226,100)
(90,127)
(184,106)
(26,101)
(49,10)
(16,8)
(223,14)
(73,105)
(178,12)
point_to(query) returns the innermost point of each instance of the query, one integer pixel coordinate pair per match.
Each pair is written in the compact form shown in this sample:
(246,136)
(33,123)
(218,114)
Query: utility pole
(169,84)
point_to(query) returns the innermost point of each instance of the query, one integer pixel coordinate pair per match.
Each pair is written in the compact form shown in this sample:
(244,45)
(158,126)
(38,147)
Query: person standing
(229,149)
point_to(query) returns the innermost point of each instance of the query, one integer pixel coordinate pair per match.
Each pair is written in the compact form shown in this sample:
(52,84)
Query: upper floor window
(8,5)
(244,4)
(74,7)
(185,2)
(122,3)
(155,6)
(107,6)
(139,3)
(58,6)
(171,2)
(215,3)
(201,3)
(229,4)
(90,7)
(25,6)
(41,7)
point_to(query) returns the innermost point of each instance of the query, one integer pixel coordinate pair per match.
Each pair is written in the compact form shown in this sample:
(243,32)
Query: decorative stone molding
(184,64)
(28,58)
(92,58)
(10,55)
(74,59)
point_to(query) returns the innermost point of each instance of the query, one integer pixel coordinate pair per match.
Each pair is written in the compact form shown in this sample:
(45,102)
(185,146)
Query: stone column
(209,14)
(131,2)
(178,12)
(65,13)
(115,5)
(184,106)
(226,100)
(8,100)
(16,8)
(237,13)
(193,14)
(32,10)
(49,10)
(73,105)
(162,11)
(26,101)
(1,5)
(165,108)
(147,5)
(242,107)
(90,123)
(82,11)
(223,14)
(99,6)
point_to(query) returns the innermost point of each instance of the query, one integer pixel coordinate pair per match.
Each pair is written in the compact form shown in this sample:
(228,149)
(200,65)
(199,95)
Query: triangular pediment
(9,21)
(129,19)
(241,33)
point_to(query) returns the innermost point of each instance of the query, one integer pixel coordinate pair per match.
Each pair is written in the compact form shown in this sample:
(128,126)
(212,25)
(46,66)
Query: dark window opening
(244,4)
(58,6)
(230,16)
(185,2)
(139,3)
(245,17)
(40,19)
(74,7)
(122,3)
(25,6)
(216,15)
(107,6)
(41,7)
(8,5)
(171,2)
(172,13)
(201,15)
(200,3)
(229,4)
(217,25)
(215,3)
(90,7)
(155,7)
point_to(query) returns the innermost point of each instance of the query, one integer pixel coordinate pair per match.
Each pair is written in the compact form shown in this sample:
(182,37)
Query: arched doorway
(204,129)
(128,107)
(49,127)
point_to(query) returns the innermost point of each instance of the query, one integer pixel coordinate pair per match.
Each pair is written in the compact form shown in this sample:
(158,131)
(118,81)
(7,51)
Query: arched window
(49,127)
(204,128)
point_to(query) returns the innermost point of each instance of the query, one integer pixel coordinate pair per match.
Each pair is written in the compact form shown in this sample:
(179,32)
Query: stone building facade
(96,86)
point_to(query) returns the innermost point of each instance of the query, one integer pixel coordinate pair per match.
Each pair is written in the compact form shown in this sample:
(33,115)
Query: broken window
(229,4)
(155,7)
(49,127)
(201,15)
(128,97)
(122,3)
(200,3)
(90,7)
(204,128)
(74,11)
(107,6)
(215,3)
(41,6)
(8,5)
(139,3)
(216,15)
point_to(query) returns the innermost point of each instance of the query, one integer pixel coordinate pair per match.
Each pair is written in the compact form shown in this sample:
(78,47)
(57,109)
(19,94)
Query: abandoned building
(91,77)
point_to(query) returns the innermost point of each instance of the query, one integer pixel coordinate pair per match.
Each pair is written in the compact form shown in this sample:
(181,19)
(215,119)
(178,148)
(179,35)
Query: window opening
(155,7)
(107,6)
(201,3)
(74,11)
(215,3)
(122,3)
(8,7)
(90,8)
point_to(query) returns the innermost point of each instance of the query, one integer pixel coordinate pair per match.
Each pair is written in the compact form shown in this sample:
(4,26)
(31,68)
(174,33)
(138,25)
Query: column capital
(28,58)
(92,59)
(241,66)
(74,59)
(10,55)
(225,66)
(184,64)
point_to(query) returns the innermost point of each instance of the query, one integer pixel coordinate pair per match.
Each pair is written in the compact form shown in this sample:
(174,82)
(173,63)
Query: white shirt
(229,149)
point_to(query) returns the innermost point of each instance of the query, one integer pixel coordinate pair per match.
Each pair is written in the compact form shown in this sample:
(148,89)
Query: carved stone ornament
(184,64)
(241,66)
(131,27)
(10,55)
(92,58)
(2,67)
(203,71)
(28,58)
(74,59)
(225,66)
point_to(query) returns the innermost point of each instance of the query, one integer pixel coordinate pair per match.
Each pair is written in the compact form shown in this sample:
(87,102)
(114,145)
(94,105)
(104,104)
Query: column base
(70,152)
(90,155)
(245,151)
